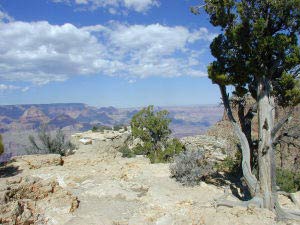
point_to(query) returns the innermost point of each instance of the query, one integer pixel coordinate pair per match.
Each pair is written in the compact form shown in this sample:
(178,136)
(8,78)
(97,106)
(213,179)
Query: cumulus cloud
(113,6)
(39,52)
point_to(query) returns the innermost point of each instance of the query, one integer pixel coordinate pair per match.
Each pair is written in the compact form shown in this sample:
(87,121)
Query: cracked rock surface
(97,186)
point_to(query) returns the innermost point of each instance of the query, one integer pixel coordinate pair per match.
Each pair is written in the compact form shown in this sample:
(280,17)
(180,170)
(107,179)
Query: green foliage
(94,129)
(287,90)
(231,164)
(287,180)
(259,39)
(118,127)
(1,145)
(151,126)
(100,128)
(50,144)
(172,148)
(163,154)
(126,152)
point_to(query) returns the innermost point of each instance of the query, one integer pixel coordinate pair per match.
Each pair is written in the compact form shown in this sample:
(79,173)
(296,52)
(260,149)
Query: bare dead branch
(280,123)
(250,179)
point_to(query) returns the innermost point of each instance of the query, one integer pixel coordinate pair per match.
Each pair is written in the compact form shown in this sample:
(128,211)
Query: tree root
(282,213)
(286,214)
(257,202)
(291,196)
(222,201)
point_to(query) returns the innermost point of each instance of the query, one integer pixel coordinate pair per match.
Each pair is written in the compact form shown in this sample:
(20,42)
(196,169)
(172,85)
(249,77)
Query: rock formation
(97,186)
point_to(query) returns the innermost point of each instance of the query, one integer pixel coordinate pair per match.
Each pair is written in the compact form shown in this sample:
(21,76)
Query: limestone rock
(97,186)
(37,161)
(25,201)
(214,148)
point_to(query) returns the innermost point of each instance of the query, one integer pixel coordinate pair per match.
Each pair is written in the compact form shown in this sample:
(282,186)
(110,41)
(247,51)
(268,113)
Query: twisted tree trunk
(246,152)
(263,190)
(266,154)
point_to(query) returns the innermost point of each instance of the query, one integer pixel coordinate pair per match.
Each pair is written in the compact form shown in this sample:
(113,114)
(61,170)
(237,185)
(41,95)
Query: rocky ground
(97,186)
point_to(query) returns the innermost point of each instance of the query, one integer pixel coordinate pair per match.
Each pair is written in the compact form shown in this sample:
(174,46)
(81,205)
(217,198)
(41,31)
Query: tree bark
(246,166)
(246,126)
(266,154)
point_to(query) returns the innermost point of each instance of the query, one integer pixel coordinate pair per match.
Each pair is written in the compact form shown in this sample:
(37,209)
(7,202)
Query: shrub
(118,127)
(126,152)
(191,167)
(95,129)
(164,154)
(287,180)
(172,148)
(100,128)
(152,128)
(48,144)
(231,165)
(1,145)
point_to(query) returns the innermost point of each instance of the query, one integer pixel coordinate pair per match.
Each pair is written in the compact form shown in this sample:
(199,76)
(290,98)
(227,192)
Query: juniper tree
(151,127)
(257,52)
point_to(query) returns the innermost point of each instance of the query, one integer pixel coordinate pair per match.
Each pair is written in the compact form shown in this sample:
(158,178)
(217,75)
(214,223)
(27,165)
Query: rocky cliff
(97,186)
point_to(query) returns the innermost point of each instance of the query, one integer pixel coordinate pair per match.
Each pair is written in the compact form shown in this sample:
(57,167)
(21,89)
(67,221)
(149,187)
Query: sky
(122,53)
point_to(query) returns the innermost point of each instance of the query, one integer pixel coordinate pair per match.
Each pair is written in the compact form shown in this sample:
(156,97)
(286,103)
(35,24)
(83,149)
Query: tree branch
(250,179)
(281,122)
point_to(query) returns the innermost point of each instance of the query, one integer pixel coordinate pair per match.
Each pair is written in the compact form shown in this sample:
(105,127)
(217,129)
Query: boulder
(24,200)
(214,148)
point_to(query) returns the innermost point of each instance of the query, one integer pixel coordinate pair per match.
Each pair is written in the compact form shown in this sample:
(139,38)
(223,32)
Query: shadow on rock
(8,171)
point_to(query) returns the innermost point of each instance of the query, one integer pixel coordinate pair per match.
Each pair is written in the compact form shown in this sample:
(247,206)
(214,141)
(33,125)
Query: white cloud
(8,87)
(39,52)
(113,6)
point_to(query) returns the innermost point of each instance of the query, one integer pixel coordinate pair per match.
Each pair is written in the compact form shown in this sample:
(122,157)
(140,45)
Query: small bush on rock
(152,128)
(231,164)
(48,144)
(172,148)
(126,152)
(287,180)
(100,128)
(191,167)
(118,127)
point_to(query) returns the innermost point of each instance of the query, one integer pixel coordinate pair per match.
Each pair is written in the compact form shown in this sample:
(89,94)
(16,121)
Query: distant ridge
(17,121)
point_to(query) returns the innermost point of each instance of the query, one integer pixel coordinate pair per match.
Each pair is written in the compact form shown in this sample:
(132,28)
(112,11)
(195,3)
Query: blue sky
(123,53)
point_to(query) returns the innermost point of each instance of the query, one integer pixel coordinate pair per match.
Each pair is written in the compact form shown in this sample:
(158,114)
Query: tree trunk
(246,125)
(266,154)
(246,167)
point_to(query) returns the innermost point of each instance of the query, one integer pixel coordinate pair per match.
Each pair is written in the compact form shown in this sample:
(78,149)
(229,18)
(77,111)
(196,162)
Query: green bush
(231,165)
(152,128)
(1,145)
(287,180)
(100,128)
(118,127)
(50,144)
(126,152)
(172,148)
(95,129)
